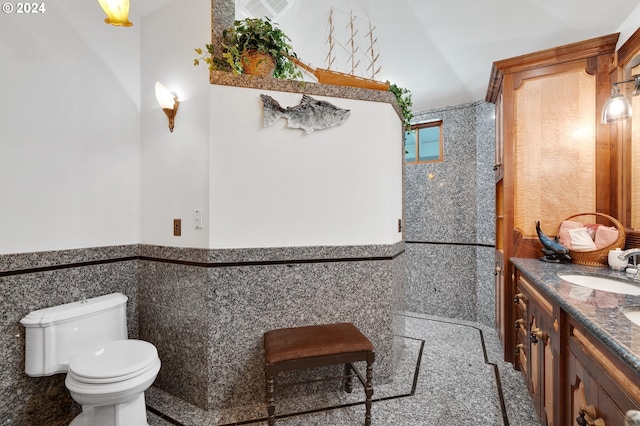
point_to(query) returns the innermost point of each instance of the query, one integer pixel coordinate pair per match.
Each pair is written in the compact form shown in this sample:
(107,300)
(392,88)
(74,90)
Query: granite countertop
(599,312)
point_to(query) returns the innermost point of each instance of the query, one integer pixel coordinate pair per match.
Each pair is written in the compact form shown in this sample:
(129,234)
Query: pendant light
(117,12)
(618,106)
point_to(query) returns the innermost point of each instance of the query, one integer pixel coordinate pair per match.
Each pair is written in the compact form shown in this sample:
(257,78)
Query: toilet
(106,373)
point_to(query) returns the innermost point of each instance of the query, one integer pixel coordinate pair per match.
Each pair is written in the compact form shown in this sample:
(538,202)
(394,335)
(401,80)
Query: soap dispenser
(615,262)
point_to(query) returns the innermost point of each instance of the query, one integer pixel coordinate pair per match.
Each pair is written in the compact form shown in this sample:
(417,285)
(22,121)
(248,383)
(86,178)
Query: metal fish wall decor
(309,115)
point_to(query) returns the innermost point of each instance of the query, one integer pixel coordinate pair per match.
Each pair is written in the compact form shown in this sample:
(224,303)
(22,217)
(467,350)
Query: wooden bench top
(288,344)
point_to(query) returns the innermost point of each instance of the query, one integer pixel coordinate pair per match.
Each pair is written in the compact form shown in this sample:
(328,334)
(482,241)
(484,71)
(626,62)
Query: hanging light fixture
(117,12)
(168,101)
(618,106)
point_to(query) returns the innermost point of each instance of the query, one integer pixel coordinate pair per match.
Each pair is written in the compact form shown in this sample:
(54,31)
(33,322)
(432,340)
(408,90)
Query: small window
(423,143)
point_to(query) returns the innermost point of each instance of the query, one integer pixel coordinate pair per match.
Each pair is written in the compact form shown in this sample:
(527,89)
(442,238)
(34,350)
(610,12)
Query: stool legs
(368,389)
(270,371)
(348,378)
(271,406)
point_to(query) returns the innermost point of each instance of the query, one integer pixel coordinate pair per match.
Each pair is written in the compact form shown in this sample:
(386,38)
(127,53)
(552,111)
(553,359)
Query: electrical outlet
(177,227)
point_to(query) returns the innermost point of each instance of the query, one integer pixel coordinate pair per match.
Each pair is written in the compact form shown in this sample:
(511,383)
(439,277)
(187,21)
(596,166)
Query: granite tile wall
(173,303)
(486,212)
(485,286)
(205,311)
(441,280)
(33,281)
(450,219)
(210,316)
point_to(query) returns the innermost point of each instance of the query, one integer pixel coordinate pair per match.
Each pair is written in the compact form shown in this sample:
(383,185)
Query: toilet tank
(53,336)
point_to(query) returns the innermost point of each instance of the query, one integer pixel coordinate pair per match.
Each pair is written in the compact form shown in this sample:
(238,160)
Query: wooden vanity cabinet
(595,378)
(537,348)
(567,370)
(550,151)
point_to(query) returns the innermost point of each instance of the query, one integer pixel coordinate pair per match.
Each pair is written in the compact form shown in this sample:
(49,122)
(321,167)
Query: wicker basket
(598,257)
(256,63)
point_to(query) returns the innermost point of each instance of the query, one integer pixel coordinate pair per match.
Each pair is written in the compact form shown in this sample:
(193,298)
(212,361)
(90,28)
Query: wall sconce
(168,102)
(618,106)
(117,12)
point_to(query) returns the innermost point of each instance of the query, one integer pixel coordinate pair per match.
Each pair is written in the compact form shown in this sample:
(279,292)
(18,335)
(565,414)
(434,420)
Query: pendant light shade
(616,108)
(117,12)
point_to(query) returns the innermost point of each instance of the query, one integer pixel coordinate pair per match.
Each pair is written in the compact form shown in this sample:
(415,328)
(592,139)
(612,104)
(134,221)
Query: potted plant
(250,38)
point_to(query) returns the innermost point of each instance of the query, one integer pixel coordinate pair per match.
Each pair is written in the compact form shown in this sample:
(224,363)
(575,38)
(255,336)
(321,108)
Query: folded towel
(593,228)
(581,240)
(563,232)
(605,236)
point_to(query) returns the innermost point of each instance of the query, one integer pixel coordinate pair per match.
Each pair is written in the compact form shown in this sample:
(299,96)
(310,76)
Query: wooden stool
(313,346)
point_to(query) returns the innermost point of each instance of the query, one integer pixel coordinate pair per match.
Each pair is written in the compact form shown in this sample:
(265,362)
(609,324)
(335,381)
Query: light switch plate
(198,219)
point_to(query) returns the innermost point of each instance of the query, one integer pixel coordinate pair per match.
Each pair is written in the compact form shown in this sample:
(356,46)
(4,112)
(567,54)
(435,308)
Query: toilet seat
(113,373)
(115,361)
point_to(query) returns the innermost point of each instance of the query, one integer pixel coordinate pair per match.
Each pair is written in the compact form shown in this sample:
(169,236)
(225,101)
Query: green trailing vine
(206,55)
(403,98)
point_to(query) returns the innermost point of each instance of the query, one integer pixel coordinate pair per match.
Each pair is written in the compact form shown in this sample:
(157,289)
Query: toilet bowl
(109,382)
(106,373)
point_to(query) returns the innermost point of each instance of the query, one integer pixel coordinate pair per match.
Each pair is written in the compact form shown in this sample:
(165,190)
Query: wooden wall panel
(634,181)
(554,152)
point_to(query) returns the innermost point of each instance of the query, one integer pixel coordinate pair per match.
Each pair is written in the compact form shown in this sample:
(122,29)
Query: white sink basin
(602,284)
(633,313)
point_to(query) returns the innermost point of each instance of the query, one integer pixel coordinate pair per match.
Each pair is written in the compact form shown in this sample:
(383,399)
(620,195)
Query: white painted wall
(86,159)
(279,187)
(175,166)
(69,145)
(257,187)
(629,26)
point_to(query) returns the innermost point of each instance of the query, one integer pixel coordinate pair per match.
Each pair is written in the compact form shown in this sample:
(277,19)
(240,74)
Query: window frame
(427,124)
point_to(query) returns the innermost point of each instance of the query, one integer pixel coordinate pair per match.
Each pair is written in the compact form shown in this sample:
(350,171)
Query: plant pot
(257,63)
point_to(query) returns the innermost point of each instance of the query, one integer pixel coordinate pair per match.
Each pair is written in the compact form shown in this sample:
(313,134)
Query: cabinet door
(588,399)
(541,331)
(542,362)
(521,361)
(597,380)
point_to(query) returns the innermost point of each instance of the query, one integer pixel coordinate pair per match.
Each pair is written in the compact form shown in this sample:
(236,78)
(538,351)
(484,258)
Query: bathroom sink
(633,313)
(602,284)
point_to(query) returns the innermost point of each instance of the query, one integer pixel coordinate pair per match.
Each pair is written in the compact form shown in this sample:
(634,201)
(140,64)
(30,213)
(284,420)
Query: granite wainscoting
(30,281)
(206,311)
(442,280)
(452,281)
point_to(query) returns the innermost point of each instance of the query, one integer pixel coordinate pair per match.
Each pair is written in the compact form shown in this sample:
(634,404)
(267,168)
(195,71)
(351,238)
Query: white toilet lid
(113,361)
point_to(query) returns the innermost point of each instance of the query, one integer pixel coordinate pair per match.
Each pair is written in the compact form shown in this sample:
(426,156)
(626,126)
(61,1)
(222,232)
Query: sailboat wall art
(329,75)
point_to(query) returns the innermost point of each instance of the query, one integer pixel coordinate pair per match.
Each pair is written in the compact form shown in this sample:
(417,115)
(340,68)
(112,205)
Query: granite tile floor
(451,373)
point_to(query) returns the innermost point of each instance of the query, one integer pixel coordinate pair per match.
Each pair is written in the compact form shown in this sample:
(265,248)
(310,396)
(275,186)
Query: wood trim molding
(629,49)
(550,70)
(605,45)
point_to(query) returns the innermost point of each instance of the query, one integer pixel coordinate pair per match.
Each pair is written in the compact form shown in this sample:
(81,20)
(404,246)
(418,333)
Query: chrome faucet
(632,272)
(628,253)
